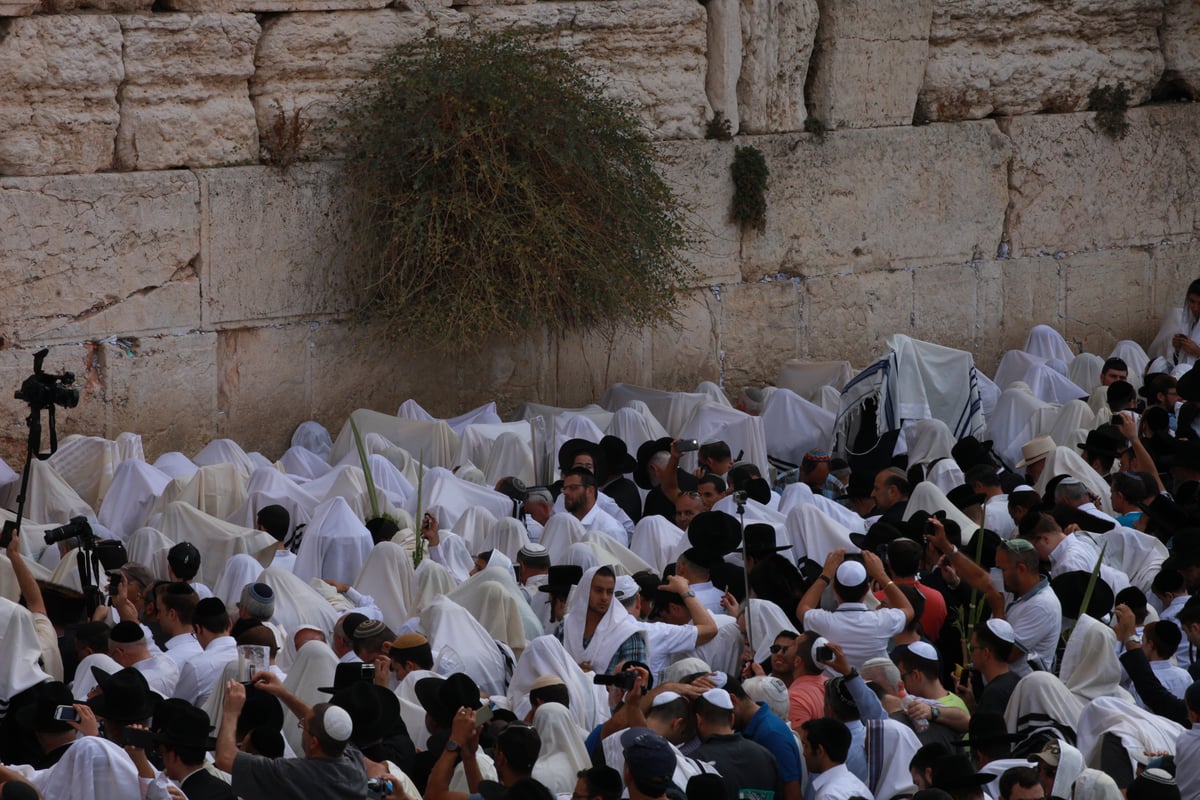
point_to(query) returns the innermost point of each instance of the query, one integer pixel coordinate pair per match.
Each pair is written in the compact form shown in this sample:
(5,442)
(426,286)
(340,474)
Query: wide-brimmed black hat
(715,531)
(1070,588)
(442,697)
(187,727)
(877,535)
(963,496)
(970,452)
(616,456)
(1066,515)
(957,772)
(759,539)
(573,447)
(38,716)
(641,473)
(561,577)
(126,696)
(1104,441)
(362,704)
(345,676)
(1188,385)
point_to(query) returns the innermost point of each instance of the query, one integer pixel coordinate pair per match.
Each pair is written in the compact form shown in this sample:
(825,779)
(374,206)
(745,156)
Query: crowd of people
(348,622)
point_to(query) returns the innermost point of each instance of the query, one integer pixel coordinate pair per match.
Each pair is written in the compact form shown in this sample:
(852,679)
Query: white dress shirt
(183,648)
(161,673)
(199,676)
(863,634)
(838,783)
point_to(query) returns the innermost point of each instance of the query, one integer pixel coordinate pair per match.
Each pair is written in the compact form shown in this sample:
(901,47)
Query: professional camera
(78,526)
(43,389)
(380,787)
(623,680)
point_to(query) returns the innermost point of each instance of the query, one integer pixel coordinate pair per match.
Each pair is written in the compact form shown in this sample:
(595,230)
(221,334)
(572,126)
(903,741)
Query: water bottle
(906,702)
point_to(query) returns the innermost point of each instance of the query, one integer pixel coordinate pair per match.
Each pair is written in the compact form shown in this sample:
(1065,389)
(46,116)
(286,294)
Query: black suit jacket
(203,785)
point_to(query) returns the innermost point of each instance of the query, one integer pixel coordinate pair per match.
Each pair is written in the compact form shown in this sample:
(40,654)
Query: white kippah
(923,650)
(1024,487)
(851,573)
(719,679)
(1002,629)
(1070,480)
(719,698)
(663,698)
(626,586)
(337,724)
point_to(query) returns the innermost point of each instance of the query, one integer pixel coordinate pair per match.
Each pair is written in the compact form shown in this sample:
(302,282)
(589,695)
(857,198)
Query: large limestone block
(273,6)
(871,199)
(777,45)
(58,107)
(762,325)
(105,6)
(1180,36)
(263,389)
(1173,268)
(1025,56)
(689,351)
(869,62)
(990,343)
(274,244)
(185,100)
(87,256)
(698,172)
(650,53)
(850,315)
(588,362)
(1074,188)
(307,62)
(946,304)
(18,8)
(1107,298)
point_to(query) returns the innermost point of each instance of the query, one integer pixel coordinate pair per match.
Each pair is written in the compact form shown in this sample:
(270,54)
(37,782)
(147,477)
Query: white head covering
(635,425)
(815,534)
(655,540)
(890,746)
(85,681)
(1139,730)
(87,463)
(388,577)
(1048,384)
(302,463)
(1072,423)
(609,551)
(1046,342)
(509,536)
(217,489)
(130,496)
(237,572)
(458,559)
(1090,668)
(454,496)
(149,546)
(611,632)
(267,487)
(1134,357)
(1096,785)
(493,601)
(313,668)
(1014,422)
(798,494)
(561,531)
(313,436)
(433,580)
(562,754)
(930,499)
(22,652)
(217,540)
(1065,461)
(50,499)
(766,622)
(434,439)
(463,645)
(335,544)
(475,527)
(92,768)
(176,464)
(928,440)
(224,451)
(390,479)
(509,455)
(297,603)
(1042,702)
(1084,370)
(545,655)
(582,554)
(793,425)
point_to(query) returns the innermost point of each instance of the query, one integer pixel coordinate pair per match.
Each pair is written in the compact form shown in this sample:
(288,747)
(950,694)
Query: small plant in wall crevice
(750,187)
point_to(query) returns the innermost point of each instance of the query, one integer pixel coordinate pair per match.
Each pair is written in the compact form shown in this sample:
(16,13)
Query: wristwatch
(688,593)
(934,712)
(452,746)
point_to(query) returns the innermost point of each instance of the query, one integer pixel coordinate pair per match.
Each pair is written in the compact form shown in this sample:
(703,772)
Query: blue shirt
(773,733)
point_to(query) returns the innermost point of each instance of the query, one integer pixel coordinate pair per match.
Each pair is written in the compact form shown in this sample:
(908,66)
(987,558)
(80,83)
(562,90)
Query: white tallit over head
(313,436)
(335,544)
(1046,342)
(237,572)
(1084,370)
(463,645)
(1135,359)
(545,655)
(798,494)
(87,463)
(434,441)
(494,598)
(930,499)
(433,580)
(176,464)
(1014,422)
(297,603)
(1139,730)
(611,632)
(270,487)
(50,500)
(21,652)
(217,540)
(609,551)
(1065,461)
(793,426)
(475,528)
(814,534)
(224,451)
(84,680)
(1139,555)
(928,440)
(390,479)
(582,554)
(313,668)
(890,746)
(149,546)
(1048,384)
(304,464)
(766,621)
(1096,785)
(1041,701)
(509,536)
(457,558)
(127,503)
(561,531)
(92,768)
(218,489)
(454,496)
(562,754)
(635,425)
(1090,668)
(716,422)
(509,455)
(655,540)
(1072,423)
(388,577)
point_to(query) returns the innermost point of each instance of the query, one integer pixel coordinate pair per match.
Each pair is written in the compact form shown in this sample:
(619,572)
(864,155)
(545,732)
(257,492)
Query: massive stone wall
(198,292)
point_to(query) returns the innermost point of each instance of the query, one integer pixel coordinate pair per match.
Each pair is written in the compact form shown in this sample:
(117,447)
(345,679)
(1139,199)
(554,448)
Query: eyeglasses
(779,648)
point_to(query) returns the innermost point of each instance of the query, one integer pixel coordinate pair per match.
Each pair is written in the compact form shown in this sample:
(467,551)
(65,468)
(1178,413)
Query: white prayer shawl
(224,451)
(806,378)
(582,554)
(217,540)
(1177,320)
(411,710)
(798,494)
(1051,386)
(501,450)
(539,414)
(714,392)
(177,465)
(814,534)
(1093,784)
(21,651)
(562,754)
(828,398)
(1090,668)
(313,436)
(1073,422)
(298,604)
(50,500)
(546,655)
(561,531)
(453,554)
(724,651)
(435,441)
(609,551)
(148,547)
(287,653)
(1013,366)
(1070,765)
(348,482)
(454,496)
(1046,342)
(475,527)
(766,622)
(85,680)
(484,414)
(509,536)
(716,422)
(1084,370)
(259,461)
(671,409)
(463,645)
(218,490)
(494,603)
(87,464)
(1098,403)
(1135,359)
(302,463)
(391,479)
(928,440)
(214,704)
(635,426)
(933,381)
(92,768)
(1040,701)
(768,513)
(313,668)
(1065,461)
(611,632)
(267,487)
(433,580)
(793,426)
(1013,422)
(238,571)
(65,574)
(335,544)
(655,540)
(131,494)
(930,499)
(1139,555)
(576,426)
(388,577)
(890,745)
(1139,730)
(989,393)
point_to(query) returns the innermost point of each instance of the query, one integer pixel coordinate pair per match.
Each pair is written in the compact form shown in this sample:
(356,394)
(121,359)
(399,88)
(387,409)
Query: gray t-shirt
(259,778)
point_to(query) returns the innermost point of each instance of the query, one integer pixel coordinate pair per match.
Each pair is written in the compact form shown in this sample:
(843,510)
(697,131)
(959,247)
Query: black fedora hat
(38,716)
(442,697)
(616,456)
(1104,441)
(970,452)
(879,534)
(561,577)
(955,772)
(715,531)
(573,447)
(641,471)
(346,675)
(187,727)
(1070,588)
(963,496)
(126,697)
(362,704)
(759,539)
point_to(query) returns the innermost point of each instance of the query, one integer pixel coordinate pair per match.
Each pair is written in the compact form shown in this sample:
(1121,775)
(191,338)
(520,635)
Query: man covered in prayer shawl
(596,632)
